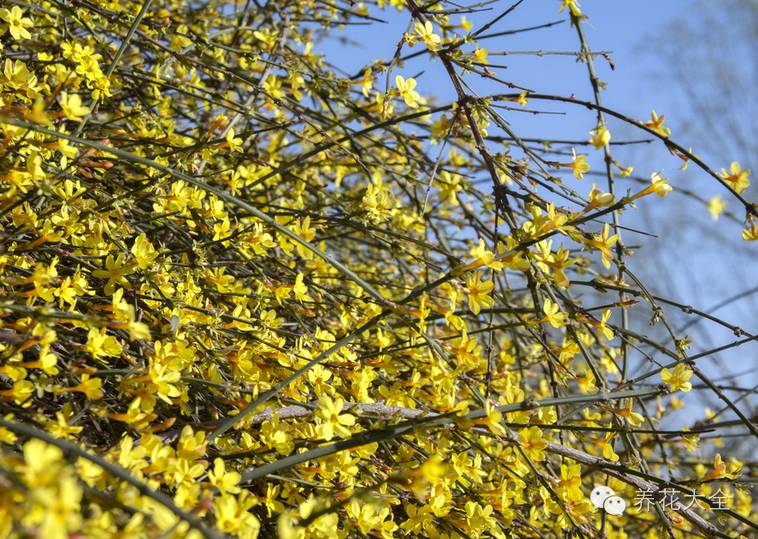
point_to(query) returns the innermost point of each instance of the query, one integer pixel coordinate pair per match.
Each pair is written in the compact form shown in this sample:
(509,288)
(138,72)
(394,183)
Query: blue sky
(687,263)
(614,25)
(620,27)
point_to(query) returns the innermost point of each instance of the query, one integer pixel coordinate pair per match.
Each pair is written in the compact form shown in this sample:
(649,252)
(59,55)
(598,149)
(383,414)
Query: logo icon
(605,498)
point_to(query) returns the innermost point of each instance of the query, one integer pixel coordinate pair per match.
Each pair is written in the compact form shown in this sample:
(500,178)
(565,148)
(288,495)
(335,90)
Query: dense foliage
(245,293)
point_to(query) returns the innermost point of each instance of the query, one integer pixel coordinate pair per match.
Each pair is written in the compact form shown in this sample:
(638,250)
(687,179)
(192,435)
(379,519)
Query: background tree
(706,83)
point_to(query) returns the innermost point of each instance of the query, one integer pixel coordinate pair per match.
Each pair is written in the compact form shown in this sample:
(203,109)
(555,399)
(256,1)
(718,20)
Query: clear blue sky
(614,25)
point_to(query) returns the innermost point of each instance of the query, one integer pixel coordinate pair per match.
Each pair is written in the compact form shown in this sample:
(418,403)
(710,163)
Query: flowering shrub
(245,294)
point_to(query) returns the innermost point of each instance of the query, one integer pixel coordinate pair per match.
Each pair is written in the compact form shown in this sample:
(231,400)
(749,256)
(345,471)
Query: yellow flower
(332,422)
(16,23)
(427,35)
(268,37)
(19,77)
(600,136)
(635,419)
(367,82)
(737,177)
(72,106)
(484,257)
(233,517)
(224,481)
(478,292)
(750,234)
(449,186)
(573,6)
(91,387)
(41,460)
(533,443)
(143,251)
(494,420)
(192,445)
(719,469)
(570,485)
(521,99)
(234,144)
(716,206)
(599,198)
(19,393)
(300,289)
(60,427)
(100,344)
(691,442)
(608,452)
(480,55)
(369,516)
(607,332)
(115,271)
(272,503)
(405,89)
(678,379)
(625,171)
(164,378)
(579,164)
(66,293)
(124,315)
(275,436)
(289,523)
(656,124)
(553,314)
(660,185)
(479,519)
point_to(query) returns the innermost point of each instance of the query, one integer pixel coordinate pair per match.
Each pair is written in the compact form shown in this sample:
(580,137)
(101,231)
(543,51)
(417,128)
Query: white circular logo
(614,505)
(599,494)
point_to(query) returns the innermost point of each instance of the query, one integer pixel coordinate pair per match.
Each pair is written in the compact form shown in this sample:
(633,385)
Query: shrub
(244,293)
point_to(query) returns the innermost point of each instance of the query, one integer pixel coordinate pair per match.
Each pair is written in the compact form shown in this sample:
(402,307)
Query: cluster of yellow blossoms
(245,294)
